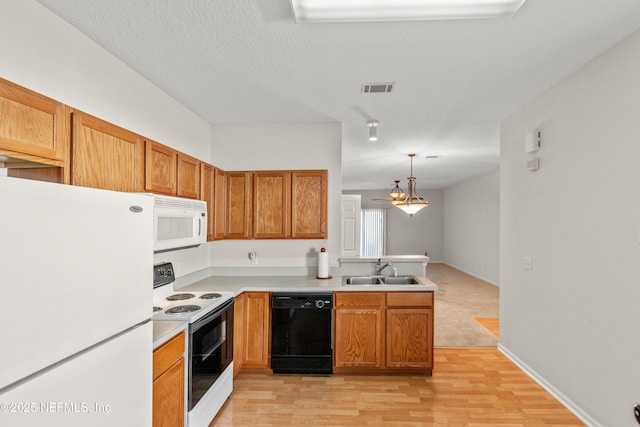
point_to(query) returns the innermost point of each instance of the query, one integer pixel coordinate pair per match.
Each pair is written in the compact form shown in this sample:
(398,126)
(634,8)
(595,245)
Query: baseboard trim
(568,403)
(470,273)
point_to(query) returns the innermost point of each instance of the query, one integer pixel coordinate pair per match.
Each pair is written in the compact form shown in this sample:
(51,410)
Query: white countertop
(239,284)
(164,330)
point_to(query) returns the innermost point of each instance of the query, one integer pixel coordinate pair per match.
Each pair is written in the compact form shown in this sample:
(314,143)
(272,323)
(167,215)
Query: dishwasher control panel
(302,300)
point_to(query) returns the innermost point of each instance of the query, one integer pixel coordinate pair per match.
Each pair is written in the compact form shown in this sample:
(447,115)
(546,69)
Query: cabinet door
(207,193)
(238,224)
(409,338)
(358,333)
(220,204)
(105,156)
(309,204)
(256,330)
(188,176)
(32,124)
(358,338)
(168,383)
(238,333)
(160,165)
(168,397)
(271,205)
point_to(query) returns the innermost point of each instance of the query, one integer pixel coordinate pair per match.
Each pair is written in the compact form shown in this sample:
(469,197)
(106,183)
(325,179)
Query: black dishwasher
(301,332)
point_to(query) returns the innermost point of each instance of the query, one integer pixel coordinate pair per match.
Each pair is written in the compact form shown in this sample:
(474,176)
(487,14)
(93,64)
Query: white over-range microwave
(178,223)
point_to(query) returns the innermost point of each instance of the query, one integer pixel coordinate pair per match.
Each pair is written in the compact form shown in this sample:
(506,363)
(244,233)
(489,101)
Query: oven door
(210,350)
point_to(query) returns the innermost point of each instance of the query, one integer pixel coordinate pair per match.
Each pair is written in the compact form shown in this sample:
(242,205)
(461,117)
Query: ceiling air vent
(377,87)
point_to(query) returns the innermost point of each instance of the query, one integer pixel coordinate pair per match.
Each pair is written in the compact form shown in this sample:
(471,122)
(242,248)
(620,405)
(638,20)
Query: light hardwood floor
(474,387)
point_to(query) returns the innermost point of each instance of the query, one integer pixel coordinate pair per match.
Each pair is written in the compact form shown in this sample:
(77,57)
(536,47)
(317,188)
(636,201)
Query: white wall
(43,53)
(472,226)
(406,235)
(573,320)
(281,146)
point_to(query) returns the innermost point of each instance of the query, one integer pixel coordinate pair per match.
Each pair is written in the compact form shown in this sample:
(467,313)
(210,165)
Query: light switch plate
(527,264)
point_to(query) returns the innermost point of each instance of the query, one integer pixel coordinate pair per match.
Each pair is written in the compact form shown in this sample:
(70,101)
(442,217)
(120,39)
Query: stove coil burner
(183,309)
(210,296)
(156,309)
(180,297)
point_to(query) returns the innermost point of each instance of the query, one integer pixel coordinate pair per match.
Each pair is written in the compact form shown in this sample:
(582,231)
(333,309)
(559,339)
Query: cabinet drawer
(166,355)
(358,299)
(410,299)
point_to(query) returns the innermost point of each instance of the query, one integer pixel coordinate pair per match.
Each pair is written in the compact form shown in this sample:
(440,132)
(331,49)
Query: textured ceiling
(247,61)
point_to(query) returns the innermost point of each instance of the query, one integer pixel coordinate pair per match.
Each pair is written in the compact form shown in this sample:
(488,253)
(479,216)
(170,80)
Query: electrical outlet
(527,263)
(253,257)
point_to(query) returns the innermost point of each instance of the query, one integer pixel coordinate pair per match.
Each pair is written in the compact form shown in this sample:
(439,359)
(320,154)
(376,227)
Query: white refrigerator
(75,306)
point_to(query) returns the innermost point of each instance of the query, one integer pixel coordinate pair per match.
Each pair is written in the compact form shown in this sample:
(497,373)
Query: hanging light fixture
(373,130)
(397,195)
(412,203)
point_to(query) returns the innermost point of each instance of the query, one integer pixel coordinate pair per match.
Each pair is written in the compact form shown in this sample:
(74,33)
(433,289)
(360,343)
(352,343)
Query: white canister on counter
(323,264)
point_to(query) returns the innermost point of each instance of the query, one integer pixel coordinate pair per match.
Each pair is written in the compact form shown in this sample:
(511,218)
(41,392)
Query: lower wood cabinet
(254,351)
(383,332)
(168,383)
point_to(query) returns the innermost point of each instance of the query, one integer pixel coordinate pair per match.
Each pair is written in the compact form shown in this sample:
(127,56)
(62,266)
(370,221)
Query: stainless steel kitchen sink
(401,280)
(363,280)
(381,280)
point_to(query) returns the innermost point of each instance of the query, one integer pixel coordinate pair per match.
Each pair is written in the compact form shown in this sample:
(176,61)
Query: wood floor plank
(472,387)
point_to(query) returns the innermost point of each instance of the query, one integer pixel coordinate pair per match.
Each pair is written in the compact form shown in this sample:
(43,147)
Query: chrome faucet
(380,267)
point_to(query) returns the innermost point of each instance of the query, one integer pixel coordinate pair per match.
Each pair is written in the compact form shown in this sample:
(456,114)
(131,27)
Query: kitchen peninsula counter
(239,284)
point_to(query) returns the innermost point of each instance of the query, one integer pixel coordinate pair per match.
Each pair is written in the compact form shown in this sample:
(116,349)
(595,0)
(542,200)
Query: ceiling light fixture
(373,130)
(412,203)
(400,10)
(397,195)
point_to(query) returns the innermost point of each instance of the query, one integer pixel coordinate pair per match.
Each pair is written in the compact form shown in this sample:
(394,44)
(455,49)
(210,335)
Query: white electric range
(210,342)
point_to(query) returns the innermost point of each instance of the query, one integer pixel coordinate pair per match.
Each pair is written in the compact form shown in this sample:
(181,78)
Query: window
(372,242)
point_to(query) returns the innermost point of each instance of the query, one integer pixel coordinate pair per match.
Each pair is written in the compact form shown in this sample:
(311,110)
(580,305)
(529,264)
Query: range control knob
(319,303)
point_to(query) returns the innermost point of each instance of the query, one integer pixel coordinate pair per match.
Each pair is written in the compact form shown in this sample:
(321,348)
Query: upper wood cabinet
(271,205)
(105,156)
(220,204)
(161,168)
(32,125)
(239,189)
(171,172)
(285,205)
(188,176)
(207,193)
(309,204)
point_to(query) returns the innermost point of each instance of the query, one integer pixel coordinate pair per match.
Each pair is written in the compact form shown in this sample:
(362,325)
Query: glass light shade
(412,207)
(397,192)
(400,10)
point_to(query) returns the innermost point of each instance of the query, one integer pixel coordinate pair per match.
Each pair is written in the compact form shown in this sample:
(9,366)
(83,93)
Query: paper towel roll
(323,264)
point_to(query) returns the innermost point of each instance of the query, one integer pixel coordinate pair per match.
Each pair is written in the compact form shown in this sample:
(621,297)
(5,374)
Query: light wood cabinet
(277,205)
(358,335)
(32,126)
(161,166)
(171,172)
(188,176)
(238,210)
(409,331)
(105,156)
(168,383)
(255,352)
(309,204)
(220,204)
(238,334)
(207,193)
(383,332)
(271,205)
